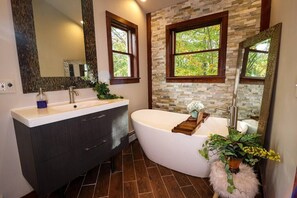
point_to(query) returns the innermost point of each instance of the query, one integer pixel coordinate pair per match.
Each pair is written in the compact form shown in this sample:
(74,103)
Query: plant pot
(234,164)
(194,114)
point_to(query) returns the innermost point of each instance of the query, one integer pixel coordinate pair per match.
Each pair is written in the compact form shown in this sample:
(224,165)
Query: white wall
(129,10)
(280,176)
(12,183)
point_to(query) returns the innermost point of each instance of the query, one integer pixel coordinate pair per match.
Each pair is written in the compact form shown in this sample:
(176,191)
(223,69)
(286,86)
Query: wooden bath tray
(189,126)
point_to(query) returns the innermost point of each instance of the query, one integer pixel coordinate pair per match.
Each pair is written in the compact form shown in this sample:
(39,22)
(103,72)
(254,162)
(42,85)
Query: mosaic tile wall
(244,21)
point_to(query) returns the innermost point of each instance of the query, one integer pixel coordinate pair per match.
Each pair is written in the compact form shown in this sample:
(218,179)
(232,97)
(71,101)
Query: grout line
(123,194)
(194,187)
(163,181)
(129,181)
(209,186)
(168,176)
(65,188)
(133,168)
(133,162)
(99,169)
(137,188)
(81,185)
(184,186)
(149,179)
(180,185)
(144,193)
(108,190)
(183,192)
(92,184)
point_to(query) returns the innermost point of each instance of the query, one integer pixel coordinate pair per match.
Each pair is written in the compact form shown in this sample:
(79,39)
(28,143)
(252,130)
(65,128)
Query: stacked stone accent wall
(249,100)
(243,22)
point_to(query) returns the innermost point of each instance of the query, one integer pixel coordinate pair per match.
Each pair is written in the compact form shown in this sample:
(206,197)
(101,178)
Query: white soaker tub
(175,150)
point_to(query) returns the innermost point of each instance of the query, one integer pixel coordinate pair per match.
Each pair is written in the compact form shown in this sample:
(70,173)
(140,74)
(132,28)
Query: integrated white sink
(78,105)
(32,117)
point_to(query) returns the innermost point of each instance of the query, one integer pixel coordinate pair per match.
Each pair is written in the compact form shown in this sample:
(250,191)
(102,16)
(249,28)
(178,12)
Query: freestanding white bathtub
(175,150)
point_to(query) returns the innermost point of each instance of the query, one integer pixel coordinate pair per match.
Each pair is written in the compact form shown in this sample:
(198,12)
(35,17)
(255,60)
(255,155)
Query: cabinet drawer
(86,130)
(93,154)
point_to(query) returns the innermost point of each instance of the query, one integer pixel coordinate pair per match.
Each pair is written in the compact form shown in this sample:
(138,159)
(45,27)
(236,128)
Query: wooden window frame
(213,19)
(249,79)
(113,20)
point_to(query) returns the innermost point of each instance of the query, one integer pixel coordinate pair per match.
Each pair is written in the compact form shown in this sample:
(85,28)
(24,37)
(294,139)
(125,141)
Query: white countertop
(32,116)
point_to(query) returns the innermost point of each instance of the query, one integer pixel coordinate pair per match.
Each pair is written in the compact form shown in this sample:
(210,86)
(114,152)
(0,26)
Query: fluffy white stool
(245,181)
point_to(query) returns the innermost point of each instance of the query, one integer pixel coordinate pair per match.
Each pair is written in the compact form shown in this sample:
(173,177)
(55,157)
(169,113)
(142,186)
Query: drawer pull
(95,146)
(98,117)
(93,118)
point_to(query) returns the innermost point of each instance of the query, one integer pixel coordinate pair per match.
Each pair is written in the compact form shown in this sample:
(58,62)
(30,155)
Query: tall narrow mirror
(257,63)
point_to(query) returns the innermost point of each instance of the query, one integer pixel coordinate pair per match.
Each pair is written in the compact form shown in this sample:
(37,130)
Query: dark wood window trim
(248,79)
(113,20)
(265,14)
(214,19)
(149,59)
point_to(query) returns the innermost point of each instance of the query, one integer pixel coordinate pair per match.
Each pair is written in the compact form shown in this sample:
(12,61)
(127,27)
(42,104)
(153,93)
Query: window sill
(254,81)
(114,81)
(204,79)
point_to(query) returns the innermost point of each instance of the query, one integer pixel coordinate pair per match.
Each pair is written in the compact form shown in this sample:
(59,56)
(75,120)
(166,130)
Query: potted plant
(236,147)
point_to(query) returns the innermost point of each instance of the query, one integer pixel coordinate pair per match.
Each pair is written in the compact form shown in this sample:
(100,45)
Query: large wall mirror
(55,43)
(257,65)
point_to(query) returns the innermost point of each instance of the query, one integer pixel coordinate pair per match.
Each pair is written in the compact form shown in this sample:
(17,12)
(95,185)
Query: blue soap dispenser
(41,99)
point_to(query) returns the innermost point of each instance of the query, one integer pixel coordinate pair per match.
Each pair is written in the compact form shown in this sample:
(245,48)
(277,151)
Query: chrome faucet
(71,94)
(233,111)
(233,115)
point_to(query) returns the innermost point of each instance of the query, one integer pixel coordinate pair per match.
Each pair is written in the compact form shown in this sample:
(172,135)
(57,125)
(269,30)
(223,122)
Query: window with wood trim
(122,40)
(254,64)
(196,49)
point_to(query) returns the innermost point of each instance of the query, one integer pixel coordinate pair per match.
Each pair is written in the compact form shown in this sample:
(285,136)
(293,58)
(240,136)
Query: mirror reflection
(38,68)
(257,60)
(59,37)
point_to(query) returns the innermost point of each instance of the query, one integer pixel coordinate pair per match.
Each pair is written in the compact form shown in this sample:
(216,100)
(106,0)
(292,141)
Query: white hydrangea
(195,106)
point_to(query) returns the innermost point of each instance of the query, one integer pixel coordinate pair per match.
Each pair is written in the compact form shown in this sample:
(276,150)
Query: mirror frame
(22,12)
(275,34)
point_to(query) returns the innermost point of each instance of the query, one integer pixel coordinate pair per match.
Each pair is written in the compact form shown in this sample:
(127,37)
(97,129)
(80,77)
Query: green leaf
(230,189)
(204,153)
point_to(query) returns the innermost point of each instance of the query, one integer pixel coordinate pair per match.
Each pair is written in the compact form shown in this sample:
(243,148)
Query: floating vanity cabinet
(53,154)
(91,146)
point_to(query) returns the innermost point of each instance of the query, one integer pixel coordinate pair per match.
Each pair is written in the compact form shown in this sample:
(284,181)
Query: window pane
(262,46)
(198,39)
(200,64)
(256,64)
(119,39)
(121,65)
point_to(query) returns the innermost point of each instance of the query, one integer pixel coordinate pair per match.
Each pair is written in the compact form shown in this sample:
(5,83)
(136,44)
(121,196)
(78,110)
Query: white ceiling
(154,5)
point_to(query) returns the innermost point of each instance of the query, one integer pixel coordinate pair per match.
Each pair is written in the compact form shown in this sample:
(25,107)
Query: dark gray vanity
(53,154)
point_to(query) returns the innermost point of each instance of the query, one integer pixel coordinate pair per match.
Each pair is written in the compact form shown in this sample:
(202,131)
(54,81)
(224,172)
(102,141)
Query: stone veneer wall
(243,22)
(249,100)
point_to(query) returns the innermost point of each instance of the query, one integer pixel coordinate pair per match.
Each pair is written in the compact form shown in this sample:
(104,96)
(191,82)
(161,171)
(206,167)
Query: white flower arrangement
(195,106)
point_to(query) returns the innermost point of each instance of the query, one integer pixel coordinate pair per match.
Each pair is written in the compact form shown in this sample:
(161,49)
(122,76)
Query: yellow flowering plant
(245,146)
(262,153)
